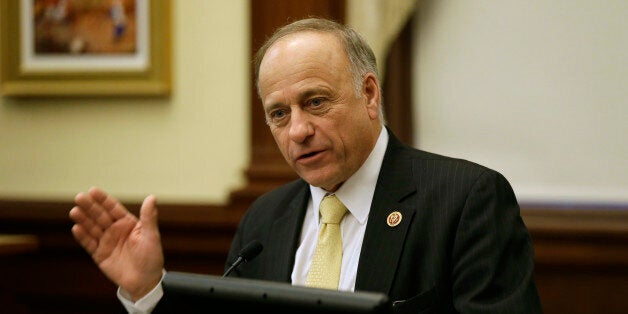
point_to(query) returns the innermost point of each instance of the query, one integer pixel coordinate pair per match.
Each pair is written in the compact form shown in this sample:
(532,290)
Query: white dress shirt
(356,194)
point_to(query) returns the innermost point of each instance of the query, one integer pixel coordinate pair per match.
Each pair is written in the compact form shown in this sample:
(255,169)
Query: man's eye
(316,102)
(277,114)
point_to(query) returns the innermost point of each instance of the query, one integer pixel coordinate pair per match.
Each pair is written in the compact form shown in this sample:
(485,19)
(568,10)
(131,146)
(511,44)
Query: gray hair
(361,57)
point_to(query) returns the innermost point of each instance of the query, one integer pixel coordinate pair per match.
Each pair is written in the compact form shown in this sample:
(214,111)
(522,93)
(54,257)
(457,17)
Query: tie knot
(332,209)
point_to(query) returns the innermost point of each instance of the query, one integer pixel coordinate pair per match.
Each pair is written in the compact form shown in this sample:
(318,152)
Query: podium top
(205,293)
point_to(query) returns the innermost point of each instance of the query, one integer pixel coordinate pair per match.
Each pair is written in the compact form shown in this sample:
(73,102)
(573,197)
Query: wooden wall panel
(268,168)
(397,86)
(581,256)
(57,276)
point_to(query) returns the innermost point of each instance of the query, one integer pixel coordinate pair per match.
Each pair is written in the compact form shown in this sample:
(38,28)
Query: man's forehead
(301,60)
(309,39)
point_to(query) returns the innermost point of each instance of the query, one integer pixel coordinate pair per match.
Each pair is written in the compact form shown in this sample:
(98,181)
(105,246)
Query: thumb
(148,213)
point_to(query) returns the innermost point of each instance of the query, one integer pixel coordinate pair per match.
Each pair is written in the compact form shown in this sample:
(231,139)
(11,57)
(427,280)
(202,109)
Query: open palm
(127,249)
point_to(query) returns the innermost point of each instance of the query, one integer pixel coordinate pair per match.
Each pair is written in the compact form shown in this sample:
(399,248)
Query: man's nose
(300,126)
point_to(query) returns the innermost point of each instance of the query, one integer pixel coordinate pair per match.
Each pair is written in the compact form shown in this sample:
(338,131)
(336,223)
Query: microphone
(247,253)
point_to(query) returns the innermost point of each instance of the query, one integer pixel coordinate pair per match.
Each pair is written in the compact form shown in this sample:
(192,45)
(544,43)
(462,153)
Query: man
(432,232)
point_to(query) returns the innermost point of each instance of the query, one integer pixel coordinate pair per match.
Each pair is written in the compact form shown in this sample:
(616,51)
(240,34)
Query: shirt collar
(357,192)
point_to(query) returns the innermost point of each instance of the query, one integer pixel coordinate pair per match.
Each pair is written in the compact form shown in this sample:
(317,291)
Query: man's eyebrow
(273,106)
(319,90)
(305,94)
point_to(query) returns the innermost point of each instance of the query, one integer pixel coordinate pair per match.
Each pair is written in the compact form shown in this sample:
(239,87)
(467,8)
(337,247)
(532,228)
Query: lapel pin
(393,219)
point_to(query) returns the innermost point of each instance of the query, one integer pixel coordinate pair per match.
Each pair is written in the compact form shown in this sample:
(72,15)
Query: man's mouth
(308,155)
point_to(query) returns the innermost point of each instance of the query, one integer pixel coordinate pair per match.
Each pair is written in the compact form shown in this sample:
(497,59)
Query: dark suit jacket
(461,245)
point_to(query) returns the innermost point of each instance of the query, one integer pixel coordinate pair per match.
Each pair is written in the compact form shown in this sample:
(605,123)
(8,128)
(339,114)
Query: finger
(79,217)
(114,208)
(94,210)
(148,214)
(84,239)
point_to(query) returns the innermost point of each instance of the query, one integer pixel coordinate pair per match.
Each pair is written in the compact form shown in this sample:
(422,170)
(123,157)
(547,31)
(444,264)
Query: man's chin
(321,182)
(312,178)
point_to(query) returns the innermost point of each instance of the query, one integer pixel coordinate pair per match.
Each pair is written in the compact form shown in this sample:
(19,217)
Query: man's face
(323,129)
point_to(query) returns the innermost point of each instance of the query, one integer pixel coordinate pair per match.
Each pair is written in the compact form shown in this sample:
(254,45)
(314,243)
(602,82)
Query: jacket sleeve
(493,254)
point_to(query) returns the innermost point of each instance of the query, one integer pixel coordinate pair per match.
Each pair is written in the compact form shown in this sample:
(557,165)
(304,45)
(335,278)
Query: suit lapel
(284,237)
(383,243)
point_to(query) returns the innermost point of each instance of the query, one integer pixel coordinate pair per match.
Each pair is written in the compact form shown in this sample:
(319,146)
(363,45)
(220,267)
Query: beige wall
(190,147)
(536,89)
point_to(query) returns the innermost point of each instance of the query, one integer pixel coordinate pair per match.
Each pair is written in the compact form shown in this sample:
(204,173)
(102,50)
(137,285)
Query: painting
(85,47)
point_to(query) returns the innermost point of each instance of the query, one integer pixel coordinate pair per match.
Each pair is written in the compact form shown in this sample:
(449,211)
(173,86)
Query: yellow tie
(325,267)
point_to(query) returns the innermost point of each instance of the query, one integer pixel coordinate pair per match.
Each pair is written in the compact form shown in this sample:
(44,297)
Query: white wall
(535,89)
(190,147)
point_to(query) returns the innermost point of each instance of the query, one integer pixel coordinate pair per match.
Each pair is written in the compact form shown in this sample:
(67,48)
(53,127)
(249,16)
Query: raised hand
(126,249)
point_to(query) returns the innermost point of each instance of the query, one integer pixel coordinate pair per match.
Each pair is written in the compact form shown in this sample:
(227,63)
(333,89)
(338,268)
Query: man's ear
(370,91)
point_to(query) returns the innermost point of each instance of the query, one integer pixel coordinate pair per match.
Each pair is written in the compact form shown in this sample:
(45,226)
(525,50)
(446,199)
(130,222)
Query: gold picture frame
(141,70)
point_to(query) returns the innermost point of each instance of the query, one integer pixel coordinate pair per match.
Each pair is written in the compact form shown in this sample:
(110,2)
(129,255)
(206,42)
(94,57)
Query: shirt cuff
(144,305)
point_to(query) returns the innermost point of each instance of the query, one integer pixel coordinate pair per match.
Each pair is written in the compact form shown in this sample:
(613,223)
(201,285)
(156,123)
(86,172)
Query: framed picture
(85,47)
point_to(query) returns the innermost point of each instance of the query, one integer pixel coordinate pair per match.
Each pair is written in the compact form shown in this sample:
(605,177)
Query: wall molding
(549,225)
